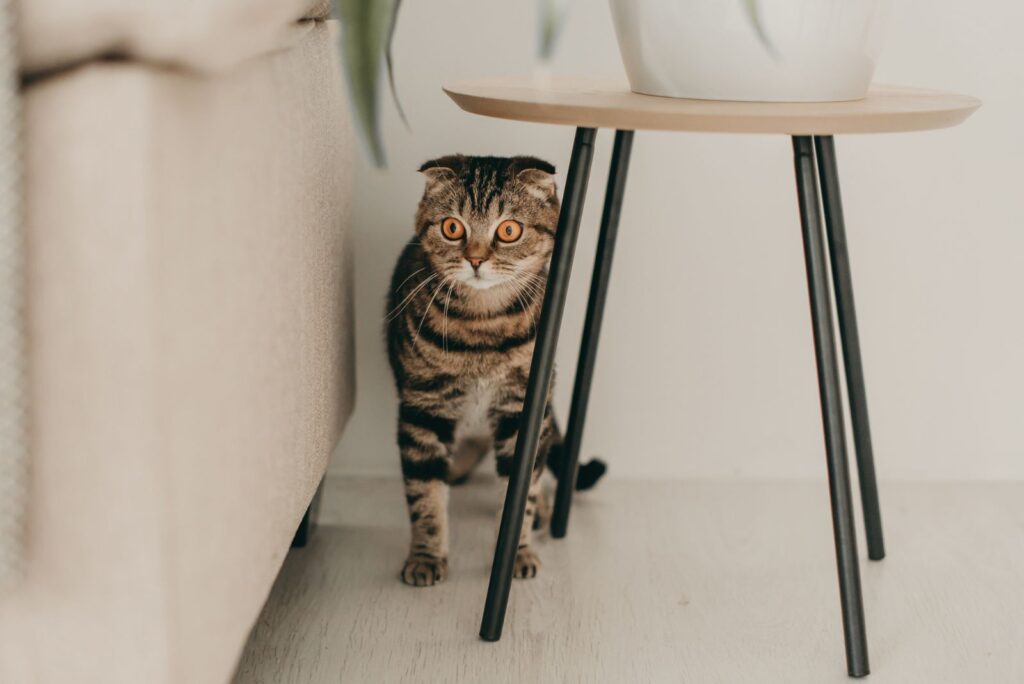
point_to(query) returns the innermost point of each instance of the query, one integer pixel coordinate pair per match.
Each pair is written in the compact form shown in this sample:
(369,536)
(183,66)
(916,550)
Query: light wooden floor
(657,582)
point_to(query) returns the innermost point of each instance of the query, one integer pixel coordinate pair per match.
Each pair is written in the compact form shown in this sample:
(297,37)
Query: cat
(463,306)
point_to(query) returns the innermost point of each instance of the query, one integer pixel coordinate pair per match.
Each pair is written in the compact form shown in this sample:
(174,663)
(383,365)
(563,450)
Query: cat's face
(488,221)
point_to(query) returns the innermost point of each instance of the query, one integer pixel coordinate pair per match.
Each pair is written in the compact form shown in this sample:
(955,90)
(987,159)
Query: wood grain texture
(657,582)
(608,103)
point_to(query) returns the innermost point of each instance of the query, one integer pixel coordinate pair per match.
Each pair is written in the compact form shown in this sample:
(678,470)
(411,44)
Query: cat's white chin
(478,283)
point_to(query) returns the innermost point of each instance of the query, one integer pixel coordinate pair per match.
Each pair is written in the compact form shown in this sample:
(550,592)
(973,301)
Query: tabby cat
(464,300)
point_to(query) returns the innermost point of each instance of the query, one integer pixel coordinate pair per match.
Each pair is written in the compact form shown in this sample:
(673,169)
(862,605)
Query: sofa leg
(308,524)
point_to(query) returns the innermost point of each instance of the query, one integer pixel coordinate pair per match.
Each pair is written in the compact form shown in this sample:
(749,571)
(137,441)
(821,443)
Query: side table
(592,103)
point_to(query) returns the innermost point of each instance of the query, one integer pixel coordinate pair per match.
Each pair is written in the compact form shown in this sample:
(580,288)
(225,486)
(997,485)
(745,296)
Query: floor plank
(657,582)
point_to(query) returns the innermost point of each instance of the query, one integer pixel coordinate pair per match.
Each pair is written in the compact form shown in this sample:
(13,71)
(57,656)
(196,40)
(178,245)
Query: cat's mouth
(483,278)
(481,282)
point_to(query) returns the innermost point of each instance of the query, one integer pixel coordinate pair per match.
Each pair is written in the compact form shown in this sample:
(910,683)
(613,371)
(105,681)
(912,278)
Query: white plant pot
(820,50)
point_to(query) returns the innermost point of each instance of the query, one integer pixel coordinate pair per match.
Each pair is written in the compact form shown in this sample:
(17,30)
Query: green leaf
(552,19)
(391,63)
(366,30)
(753,10)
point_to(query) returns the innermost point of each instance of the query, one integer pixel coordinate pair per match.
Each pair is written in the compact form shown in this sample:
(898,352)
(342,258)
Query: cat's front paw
(424,571)
(527,563)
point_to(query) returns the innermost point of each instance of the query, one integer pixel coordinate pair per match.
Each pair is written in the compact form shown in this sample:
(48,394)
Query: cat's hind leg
(506,432)
(542,518)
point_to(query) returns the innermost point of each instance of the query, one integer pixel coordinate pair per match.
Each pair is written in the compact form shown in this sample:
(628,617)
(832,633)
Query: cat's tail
(588,473)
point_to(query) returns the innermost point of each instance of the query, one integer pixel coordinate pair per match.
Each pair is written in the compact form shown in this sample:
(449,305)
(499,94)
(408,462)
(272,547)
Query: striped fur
(460,339)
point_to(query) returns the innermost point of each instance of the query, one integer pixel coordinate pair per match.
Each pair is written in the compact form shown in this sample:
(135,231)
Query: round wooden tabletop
(608,103)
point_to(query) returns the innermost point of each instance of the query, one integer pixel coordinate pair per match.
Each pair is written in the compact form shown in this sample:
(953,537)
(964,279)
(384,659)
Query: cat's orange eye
(453,229)
(510,231)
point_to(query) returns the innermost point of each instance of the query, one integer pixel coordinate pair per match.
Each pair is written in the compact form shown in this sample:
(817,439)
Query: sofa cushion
(206,35)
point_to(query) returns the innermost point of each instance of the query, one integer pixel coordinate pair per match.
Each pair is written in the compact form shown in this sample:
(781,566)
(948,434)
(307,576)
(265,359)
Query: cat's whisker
(533,288)
(405,302)
(444,331)
(534,281)
(534,278)
(519,289)
(408,300)
(426,311)
(411,276)
(536,292)
(526,307)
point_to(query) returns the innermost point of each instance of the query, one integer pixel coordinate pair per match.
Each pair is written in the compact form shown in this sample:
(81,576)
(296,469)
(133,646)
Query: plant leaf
(753,10)
(391,65)
(366,26)
(552,19)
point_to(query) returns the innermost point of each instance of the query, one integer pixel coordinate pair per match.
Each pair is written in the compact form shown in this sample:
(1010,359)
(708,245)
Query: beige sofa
(190,364)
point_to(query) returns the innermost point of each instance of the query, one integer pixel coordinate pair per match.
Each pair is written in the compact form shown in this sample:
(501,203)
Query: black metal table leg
(537,387)
(831,409)
(591,330)
(842,281)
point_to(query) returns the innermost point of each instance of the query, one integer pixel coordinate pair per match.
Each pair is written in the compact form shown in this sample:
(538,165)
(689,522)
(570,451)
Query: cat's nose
(476,261)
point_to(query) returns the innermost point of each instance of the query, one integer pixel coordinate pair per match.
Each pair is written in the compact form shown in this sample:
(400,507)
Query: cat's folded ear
(443,169)
(536,175)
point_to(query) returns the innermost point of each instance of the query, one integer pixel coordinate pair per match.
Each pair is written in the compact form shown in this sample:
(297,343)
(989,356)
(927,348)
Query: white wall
(706,365)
